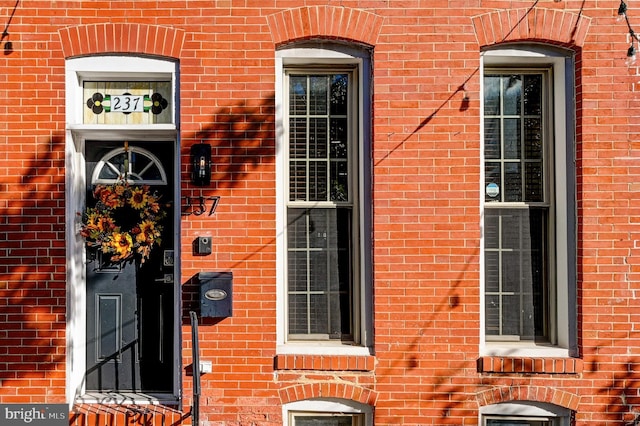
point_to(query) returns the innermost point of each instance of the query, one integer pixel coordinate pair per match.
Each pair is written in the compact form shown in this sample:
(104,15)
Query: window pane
(492,175)
(491,230)
(319,264)
(533,182)
(533,94)
(298,181)
(492,92)
(114,170)
(339,315)
(510,315)
(512,94)
(317,138)
(533,138)
(338,138)
(512,138)
(492,271)
(492,138)
(298,138)
(339,181)
(511,271)
(318,177)
(513,182)
(298,314)
(318,314)
(297,270)
(342,254)
(318,94)
(492,316)
(339,87)
(297,95)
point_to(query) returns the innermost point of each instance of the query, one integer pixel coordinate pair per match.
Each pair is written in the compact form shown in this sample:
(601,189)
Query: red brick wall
(426,156)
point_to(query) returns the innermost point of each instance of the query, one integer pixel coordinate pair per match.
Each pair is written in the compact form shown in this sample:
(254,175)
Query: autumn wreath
(124,222)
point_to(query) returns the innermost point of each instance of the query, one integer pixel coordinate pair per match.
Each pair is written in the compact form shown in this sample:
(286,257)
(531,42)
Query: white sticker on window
(492,190)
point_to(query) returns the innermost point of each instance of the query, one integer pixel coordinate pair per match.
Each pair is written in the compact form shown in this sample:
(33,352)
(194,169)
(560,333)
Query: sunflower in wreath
(124,222)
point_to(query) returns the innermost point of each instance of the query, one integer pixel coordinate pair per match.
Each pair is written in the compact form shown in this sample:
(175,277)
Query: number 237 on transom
(127,103)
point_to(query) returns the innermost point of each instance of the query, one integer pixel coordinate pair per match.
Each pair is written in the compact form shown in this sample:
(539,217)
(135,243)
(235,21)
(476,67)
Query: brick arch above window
(84,40)
(499,394)
(538,24)
(328,390)
(324,22)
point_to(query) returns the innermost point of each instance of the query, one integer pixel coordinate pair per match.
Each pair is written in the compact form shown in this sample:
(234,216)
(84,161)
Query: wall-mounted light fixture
(633,38)
(201,164)
(631,53)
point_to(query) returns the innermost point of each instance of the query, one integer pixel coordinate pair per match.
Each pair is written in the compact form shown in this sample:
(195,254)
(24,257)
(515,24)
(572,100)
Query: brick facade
(425,366)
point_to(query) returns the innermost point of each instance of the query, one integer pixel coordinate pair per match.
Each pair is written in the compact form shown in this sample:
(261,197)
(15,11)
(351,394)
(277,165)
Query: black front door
(130,305)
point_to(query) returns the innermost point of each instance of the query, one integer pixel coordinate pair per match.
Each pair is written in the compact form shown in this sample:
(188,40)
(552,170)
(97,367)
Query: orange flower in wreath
(138,199)
(124,222)
(120,244)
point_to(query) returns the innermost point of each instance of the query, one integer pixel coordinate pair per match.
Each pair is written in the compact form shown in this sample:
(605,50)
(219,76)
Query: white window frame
(115,68)
(104,162)
(318,406)
(562,327)
(326,55)
(525,410)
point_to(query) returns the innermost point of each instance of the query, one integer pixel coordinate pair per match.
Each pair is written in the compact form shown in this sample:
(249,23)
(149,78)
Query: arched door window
(135,164)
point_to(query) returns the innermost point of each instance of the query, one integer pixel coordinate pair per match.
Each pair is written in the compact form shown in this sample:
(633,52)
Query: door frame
(77,135)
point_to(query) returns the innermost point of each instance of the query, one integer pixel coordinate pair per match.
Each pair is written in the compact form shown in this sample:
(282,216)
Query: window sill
(523,350)
(125,398)
(529,365)
(324,362)
(322,348)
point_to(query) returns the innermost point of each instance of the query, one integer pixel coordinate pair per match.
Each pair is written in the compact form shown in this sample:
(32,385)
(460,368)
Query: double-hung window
(323,245)
(518,198)
(524,413)
(326,419)
(321,222)
(528,200)
(327,412)
(519,421)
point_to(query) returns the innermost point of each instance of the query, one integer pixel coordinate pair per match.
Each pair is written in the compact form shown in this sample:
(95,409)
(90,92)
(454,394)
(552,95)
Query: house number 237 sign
(126,103)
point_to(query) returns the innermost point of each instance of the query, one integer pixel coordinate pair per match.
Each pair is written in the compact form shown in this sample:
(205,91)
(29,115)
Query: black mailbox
(216,294)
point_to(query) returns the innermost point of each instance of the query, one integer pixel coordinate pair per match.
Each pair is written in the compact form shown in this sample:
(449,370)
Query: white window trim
(325,406)
(314,56)
(527,409)
(523,56)
(77,70)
